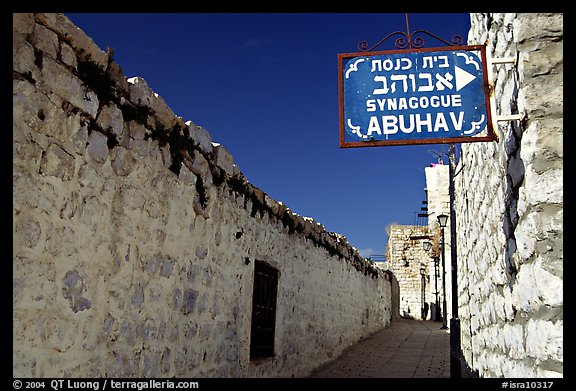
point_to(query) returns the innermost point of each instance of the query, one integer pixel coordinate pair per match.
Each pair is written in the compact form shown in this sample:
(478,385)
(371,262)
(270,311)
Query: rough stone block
(189,301)
(200,136)
(22,55)
(151,364)
(199,166)
(115,73)
(165,362)
(25,154)
(58,80)
(309,225)
(272,204)
(23,23)
(98,147)
(543,107)
(79,140)
(549,26)
(259,194)
(142,94)
(68,129)
(142,147)
(67,55)
(122,161)
(166,157)
(30,107)
(545,188)
(45,40)
(111,117)
(73,289)
(33,285)
(27,231)
(138,297)
(543,149)
(74,36)
(544,339)
(547,60)
(223,158)
(136,130)
(57,162)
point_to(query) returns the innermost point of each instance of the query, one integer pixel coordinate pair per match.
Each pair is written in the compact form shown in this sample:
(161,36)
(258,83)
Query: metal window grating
(263,311)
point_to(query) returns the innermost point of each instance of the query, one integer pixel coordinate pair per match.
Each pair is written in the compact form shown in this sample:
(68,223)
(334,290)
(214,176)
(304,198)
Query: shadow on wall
(395,295)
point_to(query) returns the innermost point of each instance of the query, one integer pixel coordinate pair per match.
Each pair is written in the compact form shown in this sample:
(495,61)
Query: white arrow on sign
(462,78)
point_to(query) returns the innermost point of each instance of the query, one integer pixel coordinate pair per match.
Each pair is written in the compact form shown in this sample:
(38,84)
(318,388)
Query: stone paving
(405,349)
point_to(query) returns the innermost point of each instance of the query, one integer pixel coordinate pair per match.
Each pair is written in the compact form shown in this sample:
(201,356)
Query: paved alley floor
(405,349)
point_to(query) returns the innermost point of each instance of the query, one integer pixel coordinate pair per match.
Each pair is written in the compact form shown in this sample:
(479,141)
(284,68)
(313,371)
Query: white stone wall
(438,197)
(509,199)
(135,236)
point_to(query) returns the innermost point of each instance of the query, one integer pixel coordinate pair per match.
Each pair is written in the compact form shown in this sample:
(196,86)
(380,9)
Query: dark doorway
(263,311)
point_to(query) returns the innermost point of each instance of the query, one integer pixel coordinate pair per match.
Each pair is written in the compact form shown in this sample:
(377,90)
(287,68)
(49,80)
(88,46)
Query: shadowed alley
(406,349)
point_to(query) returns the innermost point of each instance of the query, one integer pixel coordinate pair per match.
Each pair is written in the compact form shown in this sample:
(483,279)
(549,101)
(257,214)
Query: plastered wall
(135,236)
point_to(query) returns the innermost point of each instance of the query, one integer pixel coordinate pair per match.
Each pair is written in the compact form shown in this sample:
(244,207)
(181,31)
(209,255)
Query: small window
(263,311)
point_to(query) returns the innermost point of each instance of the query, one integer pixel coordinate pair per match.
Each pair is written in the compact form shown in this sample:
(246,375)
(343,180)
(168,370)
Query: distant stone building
(408,262)
(419,272)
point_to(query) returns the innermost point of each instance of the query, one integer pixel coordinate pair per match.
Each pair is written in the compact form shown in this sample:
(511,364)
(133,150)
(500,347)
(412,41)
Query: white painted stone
(551,25)
(514,340)
(544,339)
(545,188)
(525,293)
(502,228)
(508,304)
(550,287)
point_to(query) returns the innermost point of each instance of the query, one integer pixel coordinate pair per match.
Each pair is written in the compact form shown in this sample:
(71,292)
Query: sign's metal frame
(488,93)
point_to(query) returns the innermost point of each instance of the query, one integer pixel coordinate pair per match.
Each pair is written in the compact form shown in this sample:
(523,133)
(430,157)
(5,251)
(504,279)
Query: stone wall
(509,200)
(135,236)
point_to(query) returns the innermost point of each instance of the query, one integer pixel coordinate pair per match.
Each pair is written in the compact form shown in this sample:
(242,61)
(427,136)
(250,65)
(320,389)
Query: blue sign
(415,97)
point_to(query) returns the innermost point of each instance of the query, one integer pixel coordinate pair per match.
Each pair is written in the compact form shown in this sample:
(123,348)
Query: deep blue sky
(265,85)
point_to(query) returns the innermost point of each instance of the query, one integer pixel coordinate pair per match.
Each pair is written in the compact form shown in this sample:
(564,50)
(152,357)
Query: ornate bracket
(410,40)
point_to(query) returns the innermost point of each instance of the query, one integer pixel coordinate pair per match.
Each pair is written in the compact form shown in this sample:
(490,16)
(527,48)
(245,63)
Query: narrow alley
(406,349)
